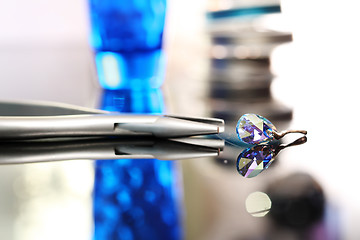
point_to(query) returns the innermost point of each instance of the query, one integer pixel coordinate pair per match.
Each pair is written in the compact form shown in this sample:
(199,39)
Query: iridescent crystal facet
(254,129)
(253,161)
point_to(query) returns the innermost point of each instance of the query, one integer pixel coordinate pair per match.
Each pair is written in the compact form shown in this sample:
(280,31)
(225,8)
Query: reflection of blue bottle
(127,39)
(135,199)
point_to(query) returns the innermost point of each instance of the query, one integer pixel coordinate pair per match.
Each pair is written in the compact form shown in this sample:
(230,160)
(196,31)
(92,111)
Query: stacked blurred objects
(240,72)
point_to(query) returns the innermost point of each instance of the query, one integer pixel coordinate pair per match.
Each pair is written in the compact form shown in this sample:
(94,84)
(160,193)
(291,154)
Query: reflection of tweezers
(106,148)
(29,121)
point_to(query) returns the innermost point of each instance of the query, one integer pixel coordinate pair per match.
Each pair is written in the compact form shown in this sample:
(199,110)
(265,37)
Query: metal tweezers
(37,120)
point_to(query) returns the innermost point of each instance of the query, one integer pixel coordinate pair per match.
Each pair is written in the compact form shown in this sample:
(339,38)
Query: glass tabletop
(186,188)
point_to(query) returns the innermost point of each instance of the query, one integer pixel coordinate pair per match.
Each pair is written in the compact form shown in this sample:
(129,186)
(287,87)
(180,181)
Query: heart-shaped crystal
(254,160)
(254,129)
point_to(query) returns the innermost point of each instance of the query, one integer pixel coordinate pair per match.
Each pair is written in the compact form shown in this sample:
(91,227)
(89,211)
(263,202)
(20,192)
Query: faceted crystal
(253,161)
(254,129)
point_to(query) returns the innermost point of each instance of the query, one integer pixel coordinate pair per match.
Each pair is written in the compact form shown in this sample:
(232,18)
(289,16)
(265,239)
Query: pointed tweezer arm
(93,125)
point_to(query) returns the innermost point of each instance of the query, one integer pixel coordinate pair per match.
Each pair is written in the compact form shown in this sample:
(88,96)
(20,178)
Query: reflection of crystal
(253,161)
(254,129)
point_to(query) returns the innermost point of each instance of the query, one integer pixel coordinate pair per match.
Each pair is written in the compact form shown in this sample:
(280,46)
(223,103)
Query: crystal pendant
(254,160)
(254,129)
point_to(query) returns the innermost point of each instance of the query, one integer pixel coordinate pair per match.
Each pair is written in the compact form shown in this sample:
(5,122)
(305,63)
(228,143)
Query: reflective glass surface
(188,188)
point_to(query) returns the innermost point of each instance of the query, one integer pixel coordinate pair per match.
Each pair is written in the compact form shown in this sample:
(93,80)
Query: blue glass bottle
(127,39)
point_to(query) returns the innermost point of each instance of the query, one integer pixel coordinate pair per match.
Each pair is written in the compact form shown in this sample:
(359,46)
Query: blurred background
(293,62)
